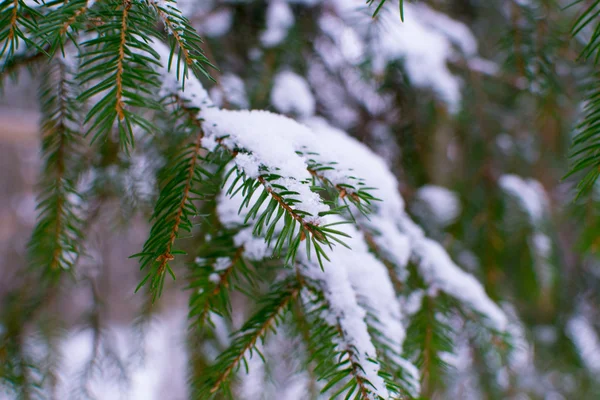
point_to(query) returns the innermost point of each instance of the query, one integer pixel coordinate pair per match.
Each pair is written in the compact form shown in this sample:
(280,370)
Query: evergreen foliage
(56,239)
(585,146)
(288,226)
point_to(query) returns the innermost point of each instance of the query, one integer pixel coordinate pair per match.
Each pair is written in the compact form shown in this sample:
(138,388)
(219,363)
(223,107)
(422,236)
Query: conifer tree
(294,175)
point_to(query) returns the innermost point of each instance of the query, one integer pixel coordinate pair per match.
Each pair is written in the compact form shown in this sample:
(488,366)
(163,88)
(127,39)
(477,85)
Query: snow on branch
(533,201)
(426,41)
(396,235)
(529,193)
(279,167)
(354,277)
(440,272)
(352,281)
(344,312)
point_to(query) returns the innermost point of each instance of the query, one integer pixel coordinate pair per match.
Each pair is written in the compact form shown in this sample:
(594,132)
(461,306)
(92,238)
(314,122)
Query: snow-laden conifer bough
(299,201)
(313,197)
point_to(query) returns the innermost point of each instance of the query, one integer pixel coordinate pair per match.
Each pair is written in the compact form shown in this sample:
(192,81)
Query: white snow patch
(279,20)
(438,269)
(426,41)
(438,204)
(217,23)
(231,90)
(586,340)
(291,95)
(530,194)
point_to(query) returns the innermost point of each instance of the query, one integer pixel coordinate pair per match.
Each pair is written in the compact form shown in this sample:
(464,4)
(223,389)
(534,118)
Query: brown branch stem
(167,256)
(119,107)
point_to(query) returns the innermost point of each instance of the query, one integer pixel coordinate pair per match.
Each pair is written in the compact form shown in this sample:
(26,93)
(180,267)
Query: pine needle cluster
(303,246)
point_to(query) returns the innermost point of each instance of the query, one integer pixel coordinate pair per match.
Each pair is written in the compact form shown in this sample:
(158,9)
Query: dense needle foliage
(285,227)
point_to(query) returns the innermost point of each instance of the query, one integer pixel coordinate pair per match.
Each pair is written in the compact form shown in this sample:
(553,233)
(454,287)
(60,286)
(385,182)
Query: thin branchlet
(310,227)
(13,20)
(223,283)
(186,41)
(60,171)
(173,31)
(170,217)
(167,256)
(119,75)
(72,19)
(56,238)
(256,328)
(258,334)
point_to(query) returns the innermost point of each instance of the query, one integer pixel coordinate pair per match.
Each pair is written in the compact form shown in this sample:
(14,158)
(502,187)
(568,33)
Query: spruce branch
(62,23)
(337,361)
(175,207)
(56,239)
(17,27)
(586,145)
(357,194)
(429,335)
(589,17)
(120,65)
(296,227)
(212,280)
(267,318)
(186,40)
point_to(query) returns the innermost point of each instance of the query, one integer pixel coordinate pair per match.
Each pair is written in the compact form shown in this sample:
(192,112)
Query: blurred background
(472,104)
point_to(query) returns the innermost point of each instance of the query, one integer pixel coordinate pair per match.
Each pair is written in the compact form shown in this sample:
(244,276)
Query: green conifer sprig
(17,27)
(586,145)
(62,23)
(220,269)
(281,205)
(186,181)
(273,308)
(56,239)
(428,337)
(119,64)
(287,238)
(185,41)
(589,19)
(336,362)
(358,194)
